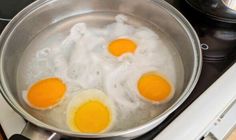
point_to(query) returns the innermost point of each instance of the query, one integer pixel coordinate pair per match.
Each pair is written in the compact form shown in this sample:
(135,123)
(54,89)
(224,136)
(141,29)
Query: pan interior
(54,34)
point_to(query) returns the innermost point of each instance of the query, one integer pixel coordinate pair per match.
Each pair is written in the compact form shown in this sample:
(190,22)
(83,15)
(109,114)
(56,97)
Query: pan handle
(35,133)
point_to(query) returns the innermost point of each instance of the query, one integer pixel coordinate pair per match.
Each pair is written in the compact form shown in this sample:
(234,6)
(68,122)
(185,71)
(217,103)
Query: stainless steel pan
(44,13)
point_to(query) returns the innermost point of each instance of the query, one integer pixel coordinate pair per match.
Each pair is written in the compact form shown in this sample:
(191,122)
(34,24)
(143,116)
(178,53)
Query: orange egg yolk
(154,87)
(120,46)
(92,117)
(46,93)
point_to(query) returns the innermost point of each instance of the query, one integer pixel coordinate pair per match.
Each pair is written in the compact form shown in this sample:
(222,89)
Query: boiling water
(33,67)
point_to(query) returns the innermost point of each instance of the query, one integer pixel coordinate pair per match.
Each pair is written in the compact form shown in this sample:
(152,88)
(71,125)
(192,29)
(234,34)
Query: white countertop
(212,113)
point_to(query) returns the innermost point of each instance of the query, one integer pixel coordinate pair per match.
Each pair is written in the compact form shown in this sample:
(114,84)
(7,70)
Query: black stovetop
(219,49)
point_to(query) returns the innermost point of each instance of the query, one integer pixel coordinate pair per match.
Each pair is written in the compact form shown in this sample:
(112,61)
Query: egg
(90,111)
(131,82)
(122,45)
(45,93)
(155,87)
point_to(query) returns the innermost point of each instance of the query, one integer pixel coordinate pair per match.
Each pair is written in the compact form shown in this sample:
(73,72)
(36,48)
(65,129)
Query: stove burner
(220,10)
(219,38)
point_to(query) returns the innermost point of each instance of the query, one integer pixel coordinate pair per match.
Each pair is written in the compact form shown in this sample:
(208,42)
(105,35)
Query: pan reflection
(230,4)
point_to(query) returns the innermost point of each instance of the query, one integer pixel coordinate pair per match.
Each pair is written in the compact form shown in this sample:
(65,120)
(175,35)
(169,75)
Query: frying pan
(42,14)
